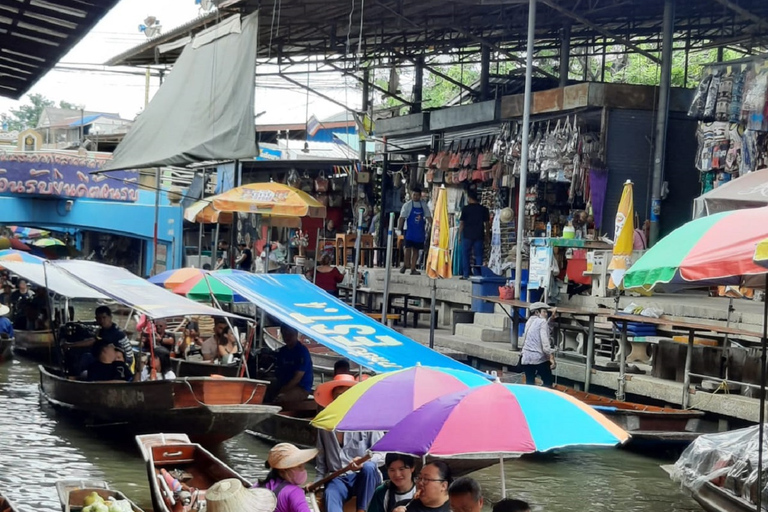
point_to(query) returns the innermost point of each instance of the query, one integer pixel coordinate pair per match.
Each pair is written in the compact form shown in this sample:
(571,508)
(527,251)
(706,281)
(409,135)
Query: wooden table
(345,292)
(345,243)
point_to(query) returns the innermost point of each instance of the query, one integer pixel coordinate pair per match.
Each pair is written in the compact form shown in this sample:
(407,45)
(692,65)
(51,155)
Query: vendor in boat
(399,489)
(287,476)
(293,368)
(432,489)
(109,332)
(538,353)
(107,366)
(511,505)
(465,495)
(221,343)
(338,450)
(6,327)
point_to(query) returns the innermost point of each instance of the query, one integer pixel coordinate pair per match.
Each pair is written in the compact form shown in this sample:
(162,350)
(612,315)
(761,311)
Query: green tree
(70,106)
(27,116)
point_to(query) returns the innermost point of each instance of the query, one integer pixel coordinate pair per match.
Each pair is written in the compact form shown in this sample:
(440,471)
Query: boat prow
(6,505)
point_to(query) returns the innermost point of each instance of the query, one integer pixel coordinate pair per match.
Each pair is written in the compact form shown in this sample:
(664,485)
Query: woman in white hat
(231,495)
(287,476)
(538,354)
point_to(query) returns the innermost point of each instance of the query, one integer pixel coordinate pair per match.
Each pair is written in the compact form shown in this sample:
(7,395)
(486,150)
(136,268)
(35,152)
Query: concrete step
(482,333)
(492,320)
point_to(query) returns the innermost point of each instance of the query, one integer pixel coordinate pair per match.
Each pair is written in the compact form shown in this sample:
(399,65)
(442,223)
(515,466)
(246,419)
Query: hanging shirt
(415,214)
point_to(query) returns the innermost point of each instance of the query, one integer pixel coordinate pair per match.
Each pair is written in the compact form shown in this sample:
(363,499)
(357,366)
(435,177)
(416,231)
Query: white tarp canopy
(205,108)
(747,191)
(55,279)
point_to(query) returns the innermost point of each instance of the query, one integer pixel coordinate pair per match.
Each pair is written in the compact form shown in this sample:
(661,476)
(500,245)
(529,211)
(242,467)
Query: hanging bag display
(321,183)
(293,179)
(455,162)
(306,183)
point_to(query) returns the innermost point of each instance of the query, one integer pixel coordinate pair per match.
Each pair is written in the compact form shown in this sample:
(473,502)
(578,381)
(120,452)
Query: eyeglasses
(419,479)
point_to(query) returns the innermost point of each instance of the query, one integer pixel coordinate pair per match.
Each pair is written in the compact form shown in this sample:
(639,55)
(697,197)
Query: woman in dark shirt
(328,277)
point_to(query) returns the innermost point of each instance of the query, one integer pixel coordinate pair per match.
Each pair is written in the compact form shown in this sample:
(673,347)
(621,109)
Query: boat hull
(208,410)
(184,368)
(716,499)
(38,345)
(286,428)
(6,349)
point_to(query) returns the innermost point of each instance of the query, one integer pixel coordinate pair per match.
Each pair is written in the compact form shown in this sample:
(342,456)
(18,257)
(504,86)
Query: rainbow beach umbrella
(368,405)
(170,279)
(497,421)
(199,288)
(24,257)
(714,250)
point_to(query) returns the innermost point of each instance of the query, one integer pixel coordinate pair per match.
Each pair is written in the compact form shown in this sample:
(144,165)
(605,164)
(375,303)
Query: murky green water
(37,447)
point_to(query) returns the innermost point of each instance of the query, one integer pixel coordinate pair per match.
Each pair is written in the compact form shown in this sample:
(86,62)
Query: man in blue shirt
(294,368)
(6,327)
(413,217)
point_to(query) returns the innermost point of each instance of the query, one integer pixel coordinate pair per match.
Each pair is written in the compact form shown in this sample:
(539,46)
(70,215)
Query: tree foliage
(28,115)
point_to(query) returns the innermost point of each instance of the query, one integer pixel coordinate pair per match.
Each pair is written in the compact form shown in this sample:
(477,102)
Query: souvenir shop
(730,107)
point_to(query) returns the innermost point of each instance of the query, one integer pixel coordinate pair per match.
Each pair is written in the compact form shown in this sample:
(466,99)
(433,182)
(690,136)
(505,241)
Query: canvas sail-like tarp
(747,191)
(204,109)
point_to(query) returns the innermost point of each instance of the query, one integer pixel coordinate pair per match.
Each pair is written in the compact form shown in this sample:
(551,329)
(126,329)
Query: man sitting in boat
(164,338)
(6,327)
(107,367)
(110,333)
(221,337)
(293,368)
(337,450)
(341,367)
(465,495)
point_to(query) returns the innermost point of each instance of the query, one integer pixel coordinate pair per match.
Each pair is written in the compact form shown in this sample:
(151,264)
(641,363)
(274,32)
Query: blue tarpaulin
(294,300)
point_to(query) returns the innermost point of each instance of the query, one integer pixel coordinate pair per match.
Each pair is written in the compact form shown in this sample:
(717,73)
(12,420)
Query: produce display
(95,503)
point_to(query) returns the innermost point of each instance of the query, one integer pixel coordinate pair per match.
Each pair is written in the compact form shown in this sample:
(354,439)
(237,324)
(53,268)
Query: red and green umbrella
(198,288)
(714,250)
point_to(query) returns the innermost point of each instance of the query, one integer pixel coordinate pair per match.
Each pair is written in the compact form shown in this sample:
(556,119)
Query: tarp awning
(747,191)
(55,279)
(292,299)
(204,109)
(126,288)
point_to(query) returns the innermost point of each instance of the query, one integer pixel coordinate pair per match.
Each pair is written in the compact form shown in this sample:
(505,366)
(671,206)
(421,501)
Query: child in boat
(287,476)
(399,489)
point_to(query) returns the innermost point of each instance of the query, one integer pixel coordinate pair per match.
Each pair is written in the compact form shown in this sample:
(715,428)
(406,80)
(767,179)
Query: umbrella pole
(503,478)
(433,298)
(357,254)
(388,266)
(318,254)
(761,428)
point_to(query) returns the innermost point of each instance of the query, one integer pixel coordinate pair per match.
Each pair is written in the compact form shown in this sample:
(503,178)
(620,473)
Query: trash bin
(485,286)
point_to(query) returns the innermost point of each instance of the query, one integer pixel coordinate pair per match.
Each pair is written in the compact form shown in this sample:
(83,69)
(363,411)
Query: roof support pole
(366,107)
(565,53)
(485,72)
(662,118)
(418,86)
(524,153)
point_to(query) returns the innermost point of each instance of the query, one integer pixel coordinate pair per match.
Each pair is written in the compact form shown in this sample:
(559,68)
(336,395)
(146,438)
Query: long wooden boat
(645,422)
(716,499)
(39,345)
(184,368)
(210,410)
(6,349)
(72,493)
(191,464)
(289,427)
(6,505)
(323,358)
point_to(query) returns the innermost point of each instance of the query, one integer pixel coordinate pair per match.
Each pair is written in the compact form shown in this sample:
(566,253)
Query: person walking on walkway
(413,217)
(474,228)
(538,354)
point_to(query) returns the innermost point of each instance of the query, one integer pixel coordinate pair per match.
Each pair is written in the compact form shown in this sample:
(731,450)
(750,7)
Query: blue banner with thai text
(292,299)
(66,176)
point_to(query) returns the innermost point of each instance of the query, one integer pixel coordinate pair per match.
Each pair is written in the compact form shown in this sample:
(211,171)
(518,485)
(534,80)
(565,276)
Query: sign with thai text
(65,176)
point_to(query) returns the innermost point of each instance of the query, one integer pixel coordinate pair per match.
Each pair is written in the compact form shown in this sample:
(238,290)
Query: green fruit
(93,498)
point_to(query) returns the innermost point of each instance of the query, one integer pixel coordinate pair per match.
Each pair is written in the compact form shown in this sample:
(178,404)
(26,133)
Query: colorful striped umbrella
(369,405)
(199,289)
(48,242)
(170,279)
(503,419)
(714,250)
(14,255)
(761,254)
(623,236)
(23,232)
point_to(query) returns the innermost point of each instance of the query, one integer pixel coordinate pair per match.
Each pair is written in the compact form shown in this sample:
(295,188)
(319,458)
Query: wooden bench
(416,311)
(390,318)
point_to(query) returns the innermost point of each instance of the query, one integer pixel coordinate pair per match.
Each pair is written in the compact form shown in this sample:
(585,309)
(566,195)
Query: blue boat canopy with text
(292,299)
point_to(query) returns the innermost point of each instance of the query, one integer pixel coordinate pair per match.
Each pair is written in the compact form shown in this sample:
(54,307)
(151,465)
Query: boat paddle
(315,486)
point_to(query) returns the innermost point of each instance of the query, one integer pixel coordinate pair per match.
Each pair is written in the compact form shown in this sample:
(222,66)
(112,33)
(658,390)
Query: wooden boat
(210,410)
(6,505)
(6,349)
(716,499)
(648,423)
(289,426)
(72,493)
(184,368)
(39,345)
(323,358)
(191,464)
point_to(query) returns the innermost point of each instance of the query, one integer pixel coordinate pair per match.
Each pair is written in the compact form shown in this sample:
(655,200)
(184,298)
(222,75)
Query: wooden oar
(313,487)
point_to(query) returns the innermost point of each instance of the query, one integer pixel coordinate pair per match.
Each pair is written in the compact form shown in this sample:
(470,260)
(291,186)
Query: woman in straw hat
(538,354)
(287,476)
(231,496)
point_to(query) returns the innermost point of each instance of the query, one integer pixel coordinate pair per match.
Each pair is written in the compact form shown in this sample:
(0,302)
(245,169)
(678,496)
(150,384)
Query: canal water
(38,447)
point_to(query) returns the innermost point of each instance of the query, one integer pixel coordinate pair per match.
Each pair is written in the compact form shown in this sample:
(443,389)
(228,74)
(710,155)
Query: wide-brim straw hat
(538,305)
(286,456)
(231,495)
(4,310)
(324,392)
